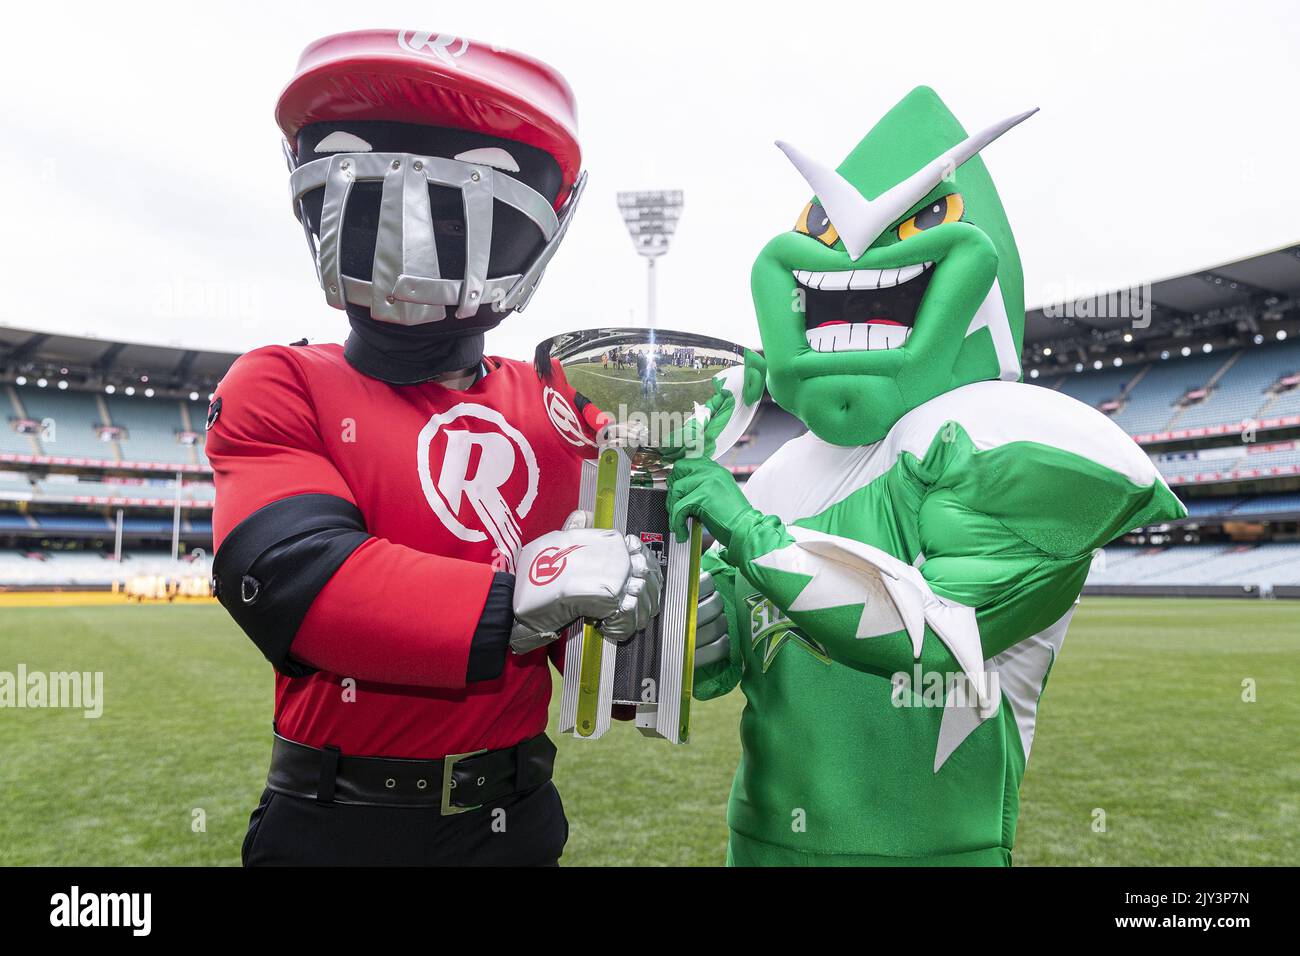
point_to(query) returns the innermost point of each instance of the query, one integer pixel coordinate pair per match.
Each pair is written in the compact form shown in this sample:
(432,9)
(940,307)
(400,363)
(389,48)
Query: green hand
(699,439)
(701,488)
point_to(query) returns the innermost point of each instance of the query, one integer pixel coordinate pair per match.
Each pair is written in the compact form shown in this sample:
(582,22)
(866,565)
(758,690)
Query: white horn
(859,220)
(853,215)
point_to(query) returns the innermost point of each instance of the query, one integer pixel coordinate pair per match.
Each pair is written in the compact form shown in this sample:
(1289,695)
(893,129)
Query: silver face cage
(406,287)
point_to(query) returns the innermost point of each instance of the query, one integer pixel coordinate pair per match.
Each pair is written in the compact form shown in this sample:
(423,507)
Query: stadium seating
(86,568)
(1268,504)
(152,427)
(1287,403)
(1150,403)
(15,485)
(1093,388)
(72,418)
(1241,392)
(1200,564)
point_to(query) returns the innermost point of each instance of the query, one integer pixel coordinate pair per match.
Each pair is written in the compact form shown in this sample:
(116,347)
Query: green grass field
(679,389)
(1143,719)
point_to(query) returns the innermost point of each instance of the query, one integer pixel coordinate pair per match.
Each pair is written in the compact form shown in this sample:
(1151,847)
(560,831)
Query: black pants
(525,829)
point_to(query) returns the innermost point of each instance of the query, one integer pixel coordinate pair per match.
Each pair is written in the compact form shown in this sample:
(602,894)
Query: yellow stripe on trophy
(593,644)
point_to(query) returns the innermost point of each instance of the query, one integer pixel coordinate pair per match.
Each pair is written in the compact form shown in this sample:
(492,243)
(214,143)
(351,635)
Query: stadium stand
(1096,388)
(1242,391)
(1206,382)
(1152,399)
(68,422)
(93,436)
(94,433)
(1200,564)
(151,429)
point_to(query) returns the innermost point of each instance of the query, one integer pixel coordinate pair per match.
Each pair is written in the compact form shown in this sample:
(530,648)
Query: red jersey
(451,484)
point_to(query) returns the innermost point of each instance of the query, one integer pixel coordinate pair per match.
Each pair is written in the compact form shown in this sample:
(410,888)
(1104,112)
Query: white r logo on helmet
(479,468)
(427,42)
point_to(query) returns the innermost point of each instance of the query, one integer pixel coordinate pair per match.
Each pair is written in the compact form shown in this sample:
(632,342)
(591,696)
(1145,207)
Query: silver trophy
(647,385)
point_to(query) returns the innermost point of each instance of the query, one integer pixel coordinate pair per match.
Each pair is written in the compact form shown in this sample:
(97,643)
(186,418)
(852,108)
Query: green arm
(1007,537)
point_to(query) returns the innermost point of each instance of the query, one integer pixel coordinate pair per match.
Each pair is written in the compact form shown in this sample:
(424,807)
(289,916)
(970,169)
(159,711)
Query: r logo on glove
(584,573)
(549,564)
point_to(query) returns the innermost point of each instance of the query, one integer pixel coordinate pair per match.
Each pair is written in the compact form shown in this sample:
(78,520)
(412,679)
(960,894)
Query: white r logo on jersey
(475,470)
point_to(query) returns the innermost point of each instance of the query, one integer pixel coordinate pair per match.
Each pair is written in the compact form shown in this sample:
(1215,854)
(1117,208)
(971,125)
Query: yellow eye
(814,222)
(944,209)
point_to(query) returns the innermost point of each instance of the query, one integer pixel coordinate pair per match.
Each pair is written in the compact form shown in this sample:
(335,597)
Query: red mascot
(375,499)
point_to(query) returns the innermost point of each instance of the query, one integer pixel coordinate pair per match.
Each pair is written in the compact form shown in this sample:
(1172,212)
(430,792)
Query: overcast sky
(146,196)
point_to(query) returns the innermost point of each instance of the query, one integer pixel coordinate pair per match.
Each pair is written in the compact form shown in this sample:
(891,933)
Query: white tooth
(908,273)
(802,275)
(856,337)
(835,281)
(891,336)
(865,279)
(888,278)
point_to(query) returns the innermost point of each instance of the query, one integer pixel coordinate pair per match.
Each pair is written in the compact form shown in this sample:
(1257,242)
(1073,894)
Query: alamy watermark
(54,690)
(654,429)
(927,688)
(1070,302)
(75,908)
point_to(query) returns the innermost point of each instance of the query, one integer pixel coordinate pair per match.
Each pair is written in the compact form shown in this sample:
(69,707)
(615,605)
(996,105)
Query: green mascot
(891,588)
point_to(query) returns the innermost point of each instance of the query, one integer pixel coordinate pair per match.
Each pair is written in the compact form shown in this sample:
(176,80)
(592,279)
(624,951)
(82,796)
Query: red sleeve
(378,617)
(593,419)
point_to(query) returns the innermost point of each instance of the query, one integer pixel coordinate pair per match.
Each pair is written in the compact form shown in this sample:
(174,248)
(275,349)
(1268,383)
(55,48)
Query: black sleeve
(491,641)
(270,568)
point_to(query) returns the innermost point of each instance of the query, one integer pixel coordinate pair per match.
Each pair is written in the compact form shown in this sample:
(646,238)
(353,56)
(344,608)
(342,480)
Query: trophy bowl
(646,385)
(647,382)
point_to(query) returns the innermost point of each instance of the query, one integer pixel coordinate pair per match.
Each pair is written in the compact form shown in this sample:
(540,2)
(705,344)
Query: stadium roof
(27,350)
(1254,284)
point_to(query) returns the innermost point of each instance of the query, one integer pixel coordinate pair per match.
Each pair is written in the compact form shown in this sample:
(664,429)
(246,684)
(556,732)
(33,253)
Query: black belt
(453,784)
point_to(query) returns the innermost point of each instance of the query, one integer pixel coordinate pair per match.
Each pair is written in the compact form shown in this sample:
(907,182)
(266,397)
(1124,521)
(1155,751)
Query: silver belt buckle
(449,782)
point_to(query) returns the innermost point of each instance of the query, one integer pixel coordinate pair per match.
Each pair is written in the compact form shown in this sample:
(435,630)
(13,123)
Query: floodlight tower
(651,219)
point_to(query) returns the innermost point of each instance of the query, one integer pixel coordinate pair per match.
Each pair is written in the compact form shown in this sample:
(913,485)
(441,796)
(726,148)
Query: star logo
(771,629)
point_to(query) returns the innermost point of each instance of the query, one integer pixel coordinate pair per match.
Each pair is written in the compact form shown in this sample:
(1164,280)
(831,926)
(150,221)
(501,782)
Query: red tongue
(822,325)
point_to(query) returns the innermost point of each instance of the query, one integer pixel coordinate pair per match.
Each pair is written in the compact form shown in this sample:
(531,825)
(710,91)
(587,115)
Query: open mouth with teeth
(862,309)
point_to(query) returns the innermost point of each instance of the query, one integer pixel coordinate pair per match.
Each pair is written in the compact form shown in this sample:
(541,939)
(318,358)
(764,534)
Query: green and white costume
(898,581)
(958,545)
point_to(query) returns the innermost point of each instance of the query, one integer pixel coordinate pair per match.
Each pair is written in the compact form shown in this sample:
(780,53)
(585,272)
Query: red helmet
(435,80)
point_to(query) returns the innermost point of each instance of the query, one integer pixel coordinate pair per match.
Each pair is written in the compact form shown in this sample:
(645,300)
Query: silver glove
(711,641)
(583,573)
